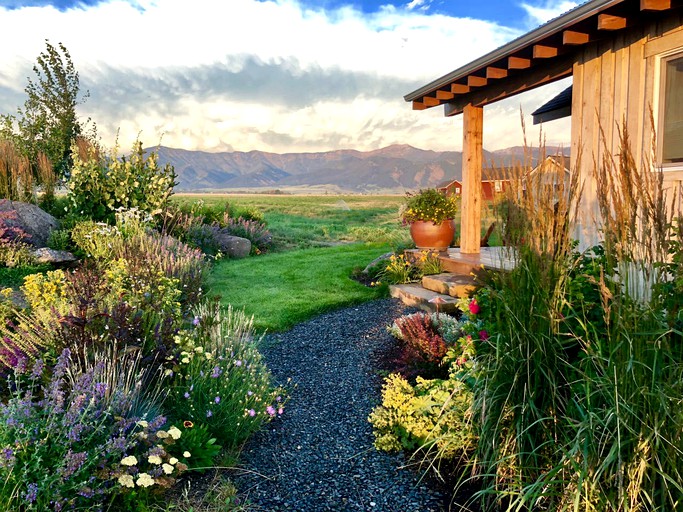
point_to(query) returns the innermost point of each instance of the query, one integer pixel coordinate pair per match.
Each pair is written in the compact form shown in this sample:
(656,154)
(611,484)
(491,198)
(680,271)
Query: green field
(314,221)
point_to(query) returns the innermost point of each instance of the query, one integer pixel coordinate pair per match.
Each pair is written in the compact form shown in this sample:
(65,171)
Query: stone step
(455,285)
(415,295)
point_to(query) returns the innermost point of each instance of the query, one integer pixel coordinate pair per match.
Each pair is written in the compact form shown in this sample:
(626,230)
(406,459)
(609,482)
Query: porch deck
(491,258)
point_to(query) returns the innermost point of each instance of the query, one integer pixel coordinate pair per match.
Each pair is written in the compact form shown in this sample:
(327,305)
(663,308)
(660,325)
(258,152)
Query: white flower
(174,432)
(173,460)
(162,434)
(199,350)
(144,480)
(187,454)
(168,469)
(126,481)
(143,423)
(129,461)
(154,459)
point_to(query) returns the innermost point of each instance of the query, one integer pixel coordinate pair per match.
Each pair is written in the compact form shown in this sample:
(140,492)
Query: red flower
(474,307)
(483,335)
(188,424)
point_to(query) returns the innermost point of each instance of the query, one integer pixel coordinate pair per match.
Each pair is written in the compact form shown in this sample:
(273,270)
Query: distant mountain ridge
(391,169)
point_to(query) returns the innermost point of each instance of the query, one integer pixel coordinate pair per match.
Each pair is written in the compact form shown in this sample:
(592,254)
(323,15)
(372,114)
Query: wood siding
(616,80)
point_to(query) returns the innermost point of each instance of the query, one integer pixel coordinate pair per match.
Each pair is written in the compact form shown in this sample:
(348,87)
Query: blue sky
(273,75)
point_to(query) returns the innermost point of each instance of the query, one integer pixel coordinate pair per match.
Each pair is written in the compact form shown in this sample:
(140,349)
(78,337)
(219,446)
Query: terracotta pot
(437,237)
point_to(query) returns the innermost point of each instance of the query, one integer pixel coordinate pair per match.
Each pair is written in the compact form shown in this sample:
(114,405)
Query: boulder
(57,258)
(376,261)
(231,246)
(35,222)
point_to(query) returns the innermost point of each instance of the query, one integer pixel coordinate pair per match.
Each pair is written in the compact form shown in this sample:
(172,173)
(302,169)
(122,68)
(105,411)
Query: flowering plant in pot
(430,214)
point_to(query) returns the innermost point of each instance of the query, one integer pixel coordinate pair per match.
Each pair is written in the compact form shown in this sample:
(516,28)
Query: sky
(274,75)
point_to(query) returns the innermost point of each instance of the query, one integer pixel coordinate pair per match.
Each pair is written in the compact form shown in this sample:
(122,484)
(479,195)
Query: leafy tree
(48,123)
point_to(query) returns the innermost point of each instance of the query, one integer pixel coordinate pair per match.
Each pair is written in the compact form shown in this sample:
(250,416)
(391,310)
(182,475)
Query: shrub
(432,417)
(255,231)
(60,240)
(220,379)
(429,205)
(198,442)
(99,185)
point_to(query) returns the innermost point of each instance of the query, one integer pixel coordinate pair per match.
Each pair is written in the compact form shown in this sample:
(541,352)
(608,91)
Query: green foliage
(60,240)
(429,205)
(433,417)
(99,185)
(198,442)
(220,379)
(402,268)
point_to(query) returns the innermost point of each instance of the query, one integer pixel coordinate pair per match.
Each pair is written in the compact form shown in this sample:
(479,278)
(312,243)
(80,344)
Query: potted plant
(430,214)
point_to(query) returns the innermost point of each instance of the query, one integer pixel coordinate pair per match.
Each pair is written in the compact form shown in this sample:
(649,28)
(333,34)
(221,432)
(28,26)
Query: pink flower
(270,410)
(252,412)
(483,335)
(474,307)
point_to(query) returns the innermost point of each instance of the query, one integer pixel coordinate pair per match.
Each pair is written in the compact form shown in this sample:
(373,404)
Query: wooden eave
(541,56)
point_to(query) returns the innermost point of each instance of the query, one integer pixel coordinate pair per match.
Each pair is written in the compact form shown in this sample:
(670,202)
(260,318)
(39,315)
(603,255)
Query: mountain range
(391,169)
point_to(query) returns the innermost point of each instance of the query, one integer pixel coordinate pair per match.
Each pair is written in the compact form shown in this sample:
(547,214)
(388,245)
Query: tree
(48,123)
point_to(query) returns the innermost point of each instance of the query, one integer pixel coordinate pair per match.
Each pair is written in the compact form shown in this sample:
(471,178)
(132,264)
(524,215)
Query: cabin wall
(616,80)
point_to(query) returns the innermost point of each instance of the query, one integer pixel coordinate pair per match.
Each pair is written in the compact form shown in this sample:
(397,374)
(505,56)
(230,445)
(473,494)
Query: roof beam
(538,75)
(574,37)
(541,51)
(418,105)
(444,95)
(518,63)
(492,72)
(430,102)
(476,81)
(460,88)
(611,22)
(655,5)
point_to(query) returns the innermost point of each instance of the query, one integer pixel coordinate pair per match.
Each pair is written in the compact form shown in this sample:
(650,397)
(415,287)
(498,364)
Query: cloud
(271,75)
(540,14)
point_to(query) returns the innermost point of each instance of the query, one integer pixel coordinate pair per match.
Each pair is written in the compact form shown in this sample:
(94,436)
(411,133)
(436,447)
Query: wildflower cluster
(219,378)
(63,427)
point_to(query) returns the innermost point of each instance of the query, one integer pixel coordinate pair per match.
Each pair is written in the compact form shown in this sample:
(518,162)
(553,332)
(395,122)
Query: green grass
(283,289)
(14,277)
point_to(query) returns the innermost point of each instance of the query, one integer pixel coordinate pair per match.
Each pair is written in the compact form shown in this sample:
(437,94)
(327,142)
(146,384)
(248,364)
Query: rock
(374,262)
(58,258)
(231,246)
(36,223)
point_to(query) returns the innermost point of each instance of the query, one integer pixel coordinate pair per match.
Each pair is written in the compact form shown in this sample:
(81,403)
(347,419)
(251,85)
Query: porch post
(472,156)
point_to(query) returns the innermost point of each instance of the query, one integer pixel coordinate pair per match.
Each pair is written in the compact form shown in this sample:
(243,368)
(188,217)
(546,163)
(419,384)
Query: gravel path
(319,456)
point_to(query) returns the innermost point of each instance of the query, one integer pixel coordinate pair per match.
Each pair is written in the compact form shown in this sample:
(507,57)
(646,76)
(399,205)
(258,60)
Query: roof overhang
(557,108)
(541,56)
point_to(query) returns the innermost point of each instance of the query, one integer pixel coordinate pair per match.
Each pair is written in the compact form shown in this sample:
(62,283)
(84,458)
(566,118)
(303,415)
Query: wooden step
(415,295)
(455,285)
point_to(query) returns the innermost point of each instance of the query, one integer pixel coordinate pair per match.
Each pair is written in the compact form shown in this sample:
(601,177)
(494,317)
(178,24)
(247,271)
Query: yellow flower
(168,469)
(162,434)
(154,459)
(174,432)
(144,480)
(126,481)
(187,454)
(129,461)
(173,460)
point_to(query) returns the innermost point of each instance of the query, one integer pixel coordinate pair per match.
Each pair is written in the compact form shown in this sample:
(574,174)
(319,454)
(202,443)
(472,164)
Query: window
(498,186)
(671,114)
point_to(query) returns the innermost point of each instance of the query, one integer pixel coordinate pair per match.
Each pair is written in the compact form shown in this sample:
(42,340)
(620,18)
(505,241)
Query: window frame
(660,100)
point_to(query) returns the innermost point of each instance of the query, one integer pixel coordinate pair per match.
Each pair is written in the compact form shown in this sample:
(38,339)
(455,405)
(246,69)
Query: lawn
(283,289)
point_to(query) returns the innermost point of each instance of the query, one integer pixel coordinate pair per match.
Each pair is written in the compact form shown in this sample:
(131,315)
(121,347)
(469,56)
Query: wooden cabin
(495,181)
(626,60)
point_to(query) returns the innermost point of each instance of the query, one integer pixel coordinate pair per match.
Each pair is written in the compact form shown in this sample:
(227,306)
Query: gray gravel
(319,456)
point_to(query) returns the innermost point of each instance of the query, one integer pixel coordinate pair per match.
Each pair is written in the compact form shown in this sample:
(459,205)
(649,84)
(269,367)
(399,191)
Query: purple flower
(216,372)
(37,370)
(186,395)
(209,414)
(252,412)
(249,393)
(217,399)
(238,363)
(196,321)
(270,410)
(278,398)
(31,493)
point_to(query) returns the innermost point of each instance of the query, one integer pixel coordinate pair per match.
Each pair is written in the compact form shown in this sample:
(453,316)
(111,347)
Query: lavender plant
(65,430)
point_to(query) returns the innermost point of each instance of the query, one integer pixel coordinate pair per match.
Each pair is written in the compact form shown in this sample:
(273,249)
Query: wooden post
(472,156)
